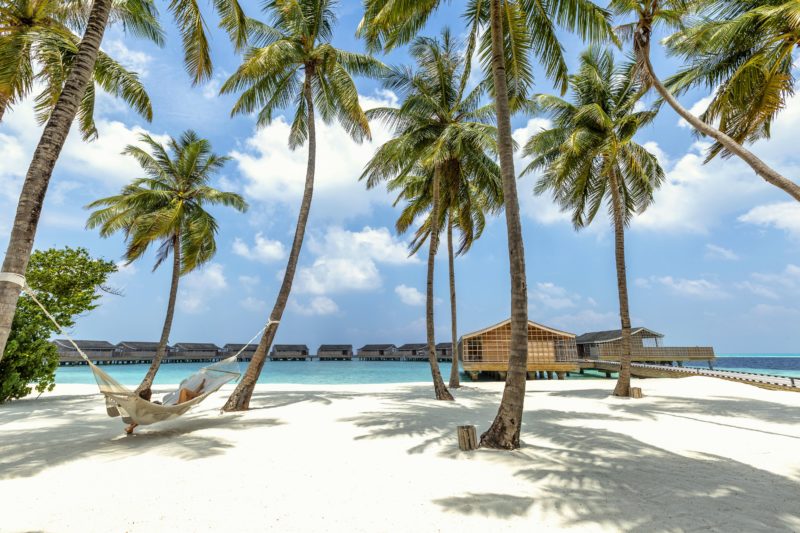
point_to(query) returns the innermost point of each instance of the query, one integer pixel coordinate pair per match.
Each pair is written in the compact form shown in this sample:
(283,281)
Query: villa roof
(196,346)
(442,345)
(598,337)
(334,347)
(84,345)
(289,347)
(236,347)
(139,345)
(530,323)
(373,347)
(414,346)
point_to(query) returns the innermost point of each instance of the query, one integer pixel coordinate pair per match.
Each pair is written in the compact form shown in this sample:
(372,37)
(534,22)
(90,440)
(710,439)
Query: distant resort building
(245,351)
(194,351)
(488,350)
(413,351)
(289,352)
(646,347)
(335,352)
(444,351)
(378,352)
(94,350)
(137,351)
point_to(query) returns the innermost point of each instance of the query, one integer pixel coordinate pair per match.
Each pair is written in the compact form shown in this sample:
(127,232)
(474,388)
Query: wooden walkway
(645,370)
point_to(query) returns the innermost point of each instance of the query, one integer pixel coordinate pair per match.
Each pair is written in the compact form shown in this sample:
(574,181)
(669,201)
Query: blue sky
(716,260)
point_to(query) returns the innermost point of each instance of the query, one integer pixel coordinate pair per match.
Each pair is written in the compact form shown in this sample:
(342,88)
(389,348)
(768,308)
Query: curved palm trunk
(438,383)
(240,398)
(623,387)
(504,431)
(769,175)
(44,159)
(147,382)
(454,378)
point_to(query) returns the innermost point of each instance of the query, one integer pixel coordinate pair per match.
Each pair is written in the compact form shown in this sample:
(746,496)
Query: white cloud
(198,286)
(348,260)
(409,295)
(697,288)
(757,289)
(788,279)
(249,281)
(718,252)
(697,109)
(552,296)
(263,249)
(276,174)
(782,215)
(584,320)
(253,304)
(125,268)
(134,60)
(317,306)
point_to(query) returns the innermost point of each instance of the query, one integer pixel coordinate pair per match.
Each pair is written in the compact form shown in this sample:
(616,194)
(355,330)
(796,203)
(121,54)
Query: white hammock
(122,401)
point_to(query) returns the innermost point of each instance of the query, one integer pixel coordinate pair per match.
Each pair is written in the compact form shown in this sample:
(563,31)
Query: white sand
(696,454)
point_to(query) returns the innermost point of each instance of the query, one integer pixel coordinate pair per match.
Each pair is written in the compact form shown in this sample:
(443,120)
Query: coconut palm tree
(42,32)
(650,14)
(293,63)
(517,30)
(73,92)
(742,50)
(589,158)
(168,207)
(440,146)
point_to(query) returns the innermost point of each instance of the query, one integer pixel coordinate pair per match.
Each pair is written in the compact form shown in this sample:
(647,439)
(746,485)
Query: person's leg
(129,429)
(183,396)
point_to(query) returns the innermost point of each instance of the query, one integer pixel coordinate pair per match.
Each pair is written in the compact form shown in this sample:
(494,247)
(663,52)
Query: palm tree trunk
(623,387)
(240,398)
(3,105)
(769,175)
(504,431)
(439,387)
(47,151)
(147,382)
(454,379)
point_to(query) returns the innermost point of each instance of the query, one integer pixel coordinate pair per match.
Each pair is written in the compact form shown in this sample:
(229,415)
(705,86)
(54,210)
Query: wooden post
(561,375)
(503,375)
(636,392)
(531,375)
(467,438)
(473,375)
(608,374)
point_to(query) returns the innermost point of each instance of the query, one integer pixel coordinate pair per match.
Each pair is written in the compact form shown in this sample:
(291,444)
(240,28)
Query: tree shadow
(489,504)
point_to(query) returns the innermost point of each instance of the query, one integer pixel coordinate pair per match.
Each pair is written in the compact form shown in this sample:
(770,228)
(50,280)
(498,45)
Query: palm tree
(167,206)
(72,95)
(517,29)
(589,157)
(294,62)
(40,32)
(440,146)
(743,50)
(650,14)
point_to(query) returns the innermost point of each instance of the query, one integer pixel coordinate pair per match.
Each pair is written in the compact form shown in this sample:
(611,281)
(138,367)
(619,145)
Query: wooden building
(94,350)
(194,351)
(444,351)
(488,349)
(247,351)
(335,352)
(137,352)
(289,352)
(646,346)
(415,351)
(378,352)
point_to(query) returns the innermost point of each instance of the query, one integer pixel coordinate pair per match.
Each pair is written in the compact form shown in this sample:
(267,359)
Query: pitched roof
(232,347)
(334,347)
(508,321)
(443,345)
(373,347)
(289,347)
(595,337)
(137,345)
(84,345)
(414,346)
(196,346)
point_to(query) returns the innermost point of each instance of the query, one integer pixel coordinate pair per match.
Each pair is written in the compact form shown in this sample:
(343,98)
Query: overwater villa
(94,350)
(247,351)
(137,351)
(379,352)
(444,351)
(415,351)
(289,352)
(194,351)
(646,347)
(487,350)
(335,352)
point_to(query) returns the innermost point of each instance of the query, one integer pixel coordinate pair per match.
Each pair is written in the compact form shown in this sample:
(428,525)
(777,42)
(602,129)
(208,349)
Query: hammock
(122,401)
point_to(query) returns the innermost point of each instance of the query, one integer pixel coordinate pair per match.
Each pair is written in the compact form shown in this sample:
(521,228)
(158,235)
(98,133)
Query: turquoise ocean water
(355,372)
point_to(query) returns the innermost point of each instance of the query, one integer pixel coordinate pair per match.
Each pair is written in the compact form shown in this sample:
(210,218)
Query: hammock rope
(121,401)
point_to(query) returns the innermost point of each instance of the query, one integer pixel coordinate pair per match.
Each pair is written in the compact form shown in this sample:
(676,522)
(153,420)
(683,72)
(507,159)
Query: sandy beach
(695,454)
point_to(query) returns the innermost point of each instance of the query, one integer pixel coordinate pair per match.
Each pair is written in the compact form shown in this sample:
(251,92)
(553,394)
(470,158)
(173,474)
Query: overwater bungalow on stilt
(245,351)
(289,352)
(96,351)
(646,347)
(444,351)
(189,352)
(136,352)
(550,351)
(378,352)
(335,352)
(415,351)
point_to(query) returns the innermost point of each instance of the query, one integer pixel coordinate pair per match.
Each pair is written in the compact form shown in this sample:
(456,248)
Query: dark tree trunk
(454,377)
(624,381)
(44,159)
(439,387)
(771,176)
(240,398)
(147,382)
(505,430)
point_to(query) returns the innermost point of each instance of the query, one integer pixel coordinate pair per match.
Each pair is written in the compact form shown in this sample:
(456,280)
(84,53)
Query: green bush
(68,282)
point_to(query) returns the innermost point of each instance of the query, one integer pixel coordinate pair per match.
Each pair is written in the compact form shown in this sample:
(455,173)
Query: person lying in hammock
(184,395)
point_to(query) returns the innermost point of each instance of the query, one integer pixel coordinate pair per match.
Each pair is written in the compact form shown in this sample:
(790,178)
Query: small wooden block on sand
(467,438)
(636,392)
